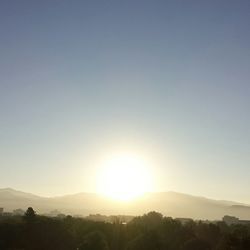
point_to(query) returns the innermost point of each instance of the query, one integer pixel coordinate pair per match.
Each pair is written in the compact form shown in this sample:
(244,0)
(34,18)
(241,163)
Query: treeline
(148,232)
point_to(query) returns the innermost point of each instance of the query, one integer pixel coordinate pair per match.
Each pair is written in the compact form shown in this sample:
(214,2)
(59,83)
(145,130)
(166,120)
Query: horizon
(125,98)
(125,201)
(169,204)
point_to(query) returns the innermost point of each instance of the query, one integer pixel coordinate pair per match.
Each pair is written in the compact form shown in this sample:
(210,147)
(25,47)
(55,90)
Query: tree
(146,241)
(196,244)
(30,214)
(94,241)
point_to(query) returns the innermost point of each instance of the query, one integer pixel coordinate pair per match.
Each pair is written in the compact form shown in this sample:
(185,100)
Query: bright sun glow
(124,178)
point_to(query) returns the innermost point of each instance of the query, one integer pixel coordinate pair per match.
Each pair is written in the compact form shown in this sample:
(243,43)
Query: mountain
(168,203)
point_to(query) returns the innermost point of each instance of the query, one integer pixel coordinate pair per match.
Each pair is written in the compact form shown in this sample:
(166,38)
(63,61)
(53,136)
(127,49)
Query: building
(230,220)
(19,212)
(184,221)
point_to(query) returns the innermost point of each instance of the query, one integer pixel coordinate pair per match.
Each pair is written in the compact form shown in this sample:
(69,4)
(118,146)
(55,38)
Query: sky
(165,80)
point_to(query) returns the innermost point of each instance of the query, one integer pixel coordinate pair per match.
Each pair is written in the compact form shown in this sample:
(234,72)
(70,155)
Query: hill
(168,203)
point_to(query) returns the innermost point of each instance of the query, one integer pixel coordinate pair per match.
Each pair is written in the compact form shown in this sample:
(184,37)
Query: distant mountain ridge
(11,191)
(168,203)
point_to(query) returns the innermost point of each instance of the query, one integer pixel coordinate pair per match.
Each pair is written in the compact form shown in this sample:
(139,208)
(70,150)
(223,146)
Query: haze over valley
(171,204)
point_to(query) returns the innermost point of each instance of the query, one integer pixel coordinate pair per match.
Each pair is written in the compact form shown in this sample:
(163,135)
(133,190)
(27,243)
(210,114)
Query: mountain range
(168,203)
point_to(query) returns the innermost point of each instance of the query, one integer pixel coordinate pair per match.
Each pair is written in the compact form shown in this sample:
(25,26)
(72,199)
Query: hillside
(168,203)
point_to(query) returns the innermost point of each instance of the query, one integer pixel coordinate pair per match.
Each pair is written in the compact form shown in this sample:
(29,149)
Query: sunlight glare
(124,178)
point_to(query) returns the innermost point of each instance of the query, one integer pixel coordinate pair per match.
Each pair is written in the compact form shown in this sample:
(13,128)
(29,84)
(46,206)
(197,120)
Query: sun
(124,178)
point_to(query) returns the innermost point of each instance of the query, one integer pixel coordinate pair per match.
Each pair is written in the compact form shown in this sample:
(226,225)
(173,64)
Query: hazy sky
(167,80)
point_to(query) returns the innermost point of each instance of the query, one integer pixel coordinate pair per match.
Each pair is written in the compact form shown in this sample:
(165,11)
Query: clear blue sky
(166,79)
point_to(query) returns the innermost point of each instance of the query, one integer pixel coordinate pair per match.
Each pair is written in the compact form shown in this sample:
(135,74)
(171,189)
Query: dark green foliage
(196,244)
(148,232)
(30,213)
(94,241)
(146,241)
